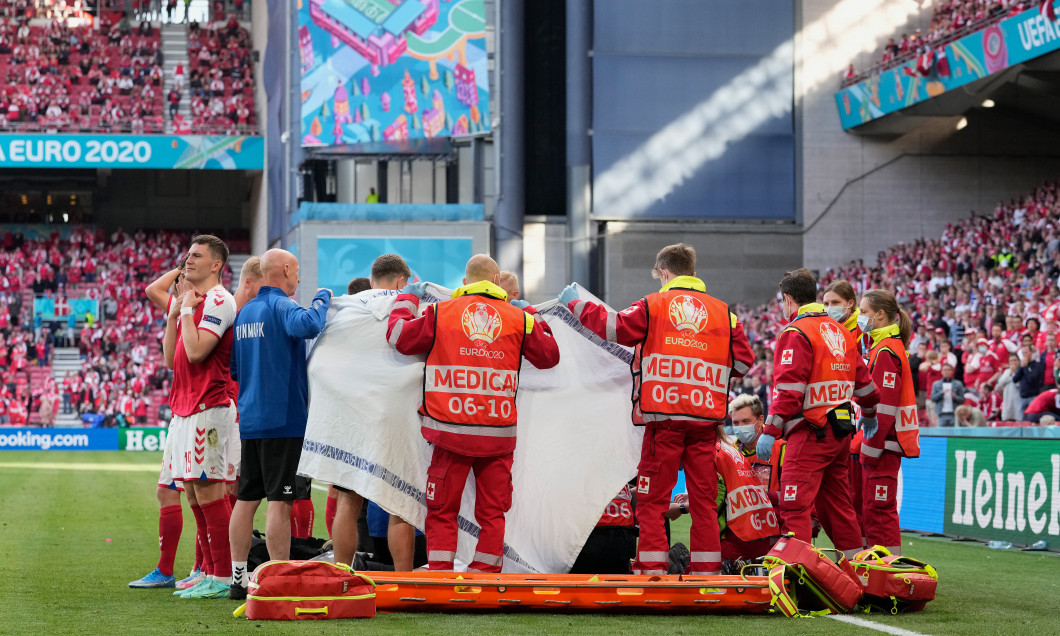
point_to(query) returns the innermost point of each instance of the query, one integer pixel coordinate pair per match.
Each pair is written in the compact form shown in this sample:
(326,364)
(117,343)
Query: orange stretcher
(462,591)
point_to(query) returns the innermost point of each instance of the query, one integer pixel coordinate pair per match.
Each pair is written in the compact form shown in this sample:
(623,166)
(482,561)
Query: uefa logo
(688,313)
(481,323)
(834,339)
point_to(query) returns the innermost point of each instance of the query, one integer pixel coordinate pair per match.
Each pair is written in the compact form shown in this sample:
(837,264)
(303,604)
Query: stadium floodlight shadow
(821,50)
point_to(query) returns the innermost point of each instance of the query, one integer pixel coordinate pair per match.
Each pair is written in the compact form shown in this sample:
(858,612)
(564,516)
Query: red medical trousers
(816,480)
(493,497)
(880,498)
(666,446)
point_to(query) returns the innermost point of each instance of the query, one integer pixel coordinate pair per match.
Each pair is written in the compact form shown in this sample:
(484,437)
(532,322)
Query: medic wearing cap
(817,373)
(475,343)
(688,348)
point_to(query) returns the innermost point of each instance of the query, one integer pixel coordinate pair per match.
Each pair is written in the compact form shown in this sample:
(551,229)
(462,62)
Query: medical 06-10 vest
(906,426)
(472,371)
(748,511)
(833,369)
(686,358)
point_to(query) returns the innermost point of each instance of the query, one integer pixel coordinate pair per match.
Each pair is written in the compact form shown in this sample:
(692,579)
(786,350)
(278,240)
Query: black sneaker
(237,592)
(732,566)
(680,559)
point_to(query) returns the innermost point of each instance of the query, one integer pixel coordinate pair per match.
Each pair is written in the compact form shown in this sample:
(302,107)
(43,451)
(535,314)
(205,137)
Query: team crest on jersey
(688,313)
(833,337)
(785,356)
(888,379)
(481,323)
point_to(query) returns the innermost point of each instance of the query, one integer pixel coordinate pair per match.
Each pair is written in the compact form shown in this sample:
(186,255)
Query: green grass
(73,535)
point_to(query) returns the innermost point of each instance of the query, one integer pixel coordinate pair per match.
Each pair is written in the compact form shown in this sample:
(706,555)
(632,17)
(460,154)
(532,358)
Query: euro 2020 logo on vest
(481,323)
(834,339)
(688,313)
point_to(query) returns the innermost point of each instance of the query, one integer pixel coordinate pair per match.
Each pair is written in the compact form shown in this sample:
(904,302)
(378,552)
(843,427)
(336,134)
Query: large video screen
(390,70)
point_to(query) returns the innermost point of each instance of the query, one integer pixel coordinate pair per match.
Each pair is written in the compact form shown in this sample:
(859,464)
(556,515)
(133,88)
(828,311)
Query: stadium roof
(437,148)
(353,19)
(398,21)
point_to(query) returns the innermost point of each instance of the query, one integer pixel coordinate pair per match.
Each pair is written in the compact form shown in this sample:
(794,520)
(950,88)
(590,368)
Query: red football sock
(200,527)
(218,514)
(231,499)
(302,514)
(329,514)
(198,554)
(170,524)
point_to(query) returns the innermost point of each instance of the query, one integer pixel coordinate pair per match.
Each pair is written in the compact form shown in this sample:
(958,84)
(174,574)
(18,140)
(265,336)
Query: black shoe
(237,592)
(732,566)
(680,559)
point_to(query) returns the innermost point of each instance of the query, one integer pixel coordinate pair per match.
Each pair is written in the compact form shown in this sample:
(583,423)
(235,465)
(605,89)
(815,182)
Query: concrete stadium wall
(861,194)
(738,262)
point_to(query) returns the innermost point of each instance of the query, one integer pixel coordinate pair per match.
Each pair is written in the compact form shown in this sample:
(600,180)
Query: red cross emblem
(888,380)
(643,483)
(785,357)
(881,493)
(430,491)
(789,492)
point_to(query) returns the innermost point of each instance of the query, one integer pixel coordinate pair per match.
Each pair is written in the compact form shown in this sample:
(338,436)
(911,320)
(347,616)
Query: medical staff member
(474,343)
(688,348)
(747,415)
(269,362)
(898,432)
(841,305)
(817,372)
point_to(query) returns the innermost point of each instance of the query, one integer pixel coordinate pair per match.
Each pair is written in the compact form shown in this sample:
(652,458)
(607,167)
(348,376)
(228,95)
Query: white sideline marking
(887,629)
(133,468)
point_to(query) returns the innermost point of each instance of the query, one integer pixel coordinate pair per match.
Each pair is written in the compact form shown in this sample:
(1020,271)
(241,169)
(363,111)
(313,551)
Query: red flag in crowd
(942,63)
(1048,12)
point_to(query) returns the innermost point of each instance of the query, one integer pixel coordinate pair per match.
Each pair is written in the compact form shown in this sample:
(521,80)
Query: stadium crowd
(220,79)
(80,79)
(984,299)
(949,20)
(119,349)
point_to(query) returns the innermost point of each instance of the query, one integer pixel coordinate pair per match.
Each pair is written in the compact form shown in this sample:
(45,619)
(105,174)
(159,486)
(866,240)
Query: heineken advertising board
(1003,489)
(142,439)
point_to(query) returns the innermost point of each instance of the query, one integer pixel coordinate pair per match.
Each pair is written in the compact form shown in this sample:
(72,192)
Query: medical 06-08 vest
(906,426)
(834,366)
(748,511)
(686,358)
(472,371)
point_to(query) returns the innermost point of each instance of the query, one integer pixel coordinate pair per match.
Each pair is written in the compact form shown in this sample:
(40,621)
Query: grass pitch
(78,526)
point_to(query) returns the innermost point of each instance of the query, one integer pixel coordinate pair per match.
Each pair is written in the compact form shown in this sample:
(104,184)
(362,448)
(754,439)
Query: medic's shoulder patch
(888,380)
(786,356)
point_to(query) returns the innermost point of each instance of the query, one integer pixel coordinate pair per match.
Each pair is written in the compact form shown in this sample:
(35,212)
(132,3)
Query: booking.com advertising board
(439,260)
(64,439)
(163,152)
(1014,40)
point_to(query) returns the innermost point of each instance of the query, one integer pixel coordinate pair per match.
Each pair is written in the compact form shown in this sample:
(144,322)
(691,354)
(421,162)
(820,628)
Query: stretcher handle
(310,610)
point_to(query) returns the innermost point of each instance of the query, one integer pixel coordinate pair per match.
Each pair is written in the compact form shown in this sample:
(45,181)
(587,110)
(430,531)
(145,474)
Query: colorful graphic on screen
(439,260)
(389,70)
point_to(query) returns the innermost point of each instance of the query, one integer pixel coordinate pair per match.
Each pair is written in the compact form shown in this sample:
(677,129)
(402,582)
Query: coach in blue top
(269,362)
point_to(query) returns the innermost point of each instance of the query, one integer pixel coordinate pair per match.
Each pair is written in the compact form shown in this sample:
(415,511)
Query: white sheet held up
(576,445)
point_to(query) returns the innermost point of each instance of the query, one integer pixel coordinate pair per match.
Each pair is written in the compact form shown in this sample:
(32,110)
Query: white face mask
(745,434)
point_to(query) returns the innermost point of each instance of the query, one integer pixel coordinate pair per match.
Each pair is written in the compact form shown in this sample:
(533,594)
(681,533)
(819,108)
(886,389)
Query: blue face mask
(982,349)
(836,313)
(863,323)
(746,434)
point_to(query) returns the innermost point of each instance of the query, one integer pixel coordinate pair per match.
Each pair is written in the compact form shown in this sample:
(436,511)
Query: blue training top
(268,361)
